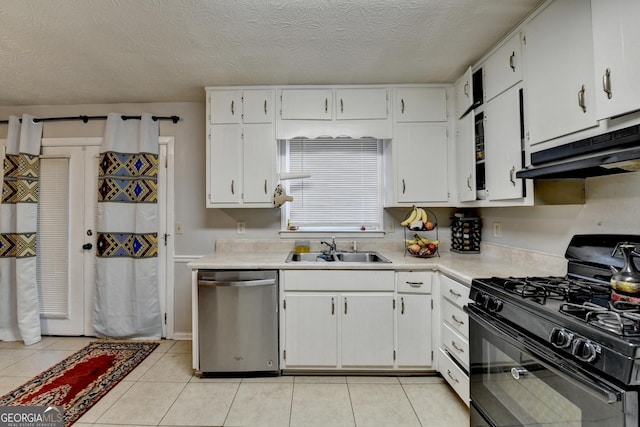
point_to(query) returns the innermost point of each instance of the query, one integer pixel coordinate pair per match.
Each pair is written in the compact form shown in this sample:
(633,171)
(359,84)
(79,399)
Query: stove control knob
(494,305)
(584,350)
(481,299)
(560,338)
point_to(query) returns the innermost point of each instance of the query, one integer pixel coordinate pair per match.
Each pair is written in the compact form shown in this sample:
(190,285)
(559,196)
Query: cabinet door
(559,68)
(466,158)
(464,93)
(225,106)
(502,145)
(414,330)
(616,44)
(361,104)
(225,163)
(306,104)
(421,162)
(258,107)
(311,330)
(367,330)
(259,157)
(420,105)
(503,68)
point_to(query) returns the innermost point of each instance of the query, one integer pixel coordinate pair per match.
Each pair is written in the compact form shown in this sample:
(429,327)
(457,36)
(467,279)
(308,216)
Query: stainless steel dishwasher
(238,322)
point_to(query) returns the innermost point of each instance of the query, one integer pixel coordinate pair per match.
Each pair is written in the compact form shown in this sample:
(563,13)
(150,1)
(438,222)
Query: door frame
(167,218)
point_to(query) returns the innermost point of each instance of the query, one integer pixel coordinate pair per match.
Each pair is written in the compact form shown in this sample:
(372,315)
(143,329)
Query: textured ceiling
(107,51)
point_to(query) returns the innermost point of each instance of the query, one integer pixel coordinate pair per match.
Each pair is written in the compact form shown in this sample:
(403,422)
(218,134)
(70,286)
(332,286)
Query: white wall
(612,205)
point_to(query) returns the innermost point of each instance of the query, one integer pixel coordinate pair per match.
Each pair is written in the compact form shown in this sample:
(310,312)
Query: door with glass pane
(66,253)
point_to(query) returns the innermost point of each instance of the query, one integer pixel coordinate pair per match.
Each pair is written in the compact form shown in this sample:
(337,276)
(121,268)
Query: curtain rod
(85,119)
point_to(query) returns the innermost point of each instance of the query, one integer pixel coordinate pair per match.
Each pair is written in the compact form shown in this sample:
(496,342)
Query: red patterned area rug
(81,379)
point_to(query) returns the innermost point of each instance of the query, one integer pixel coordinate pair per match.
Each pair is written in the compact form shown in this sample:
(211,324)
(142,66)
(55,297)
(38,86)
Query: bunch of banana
(416,219)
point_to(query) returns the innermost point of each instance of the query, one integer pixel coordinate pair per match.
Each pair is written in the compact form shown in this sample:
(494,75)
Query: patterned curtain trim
(128,178)
(127,245)
(13,245)
(21,178)
(128,164)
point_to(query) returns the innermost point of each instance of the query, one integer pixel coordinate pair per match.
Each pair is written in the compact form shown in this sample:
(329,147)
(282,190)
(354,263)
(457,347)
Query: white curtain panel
(19,307)
(127,303)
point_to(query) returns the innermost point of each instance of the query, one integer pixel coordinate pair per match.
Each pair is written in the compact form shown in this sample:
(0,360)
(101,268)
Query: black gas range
(558,336)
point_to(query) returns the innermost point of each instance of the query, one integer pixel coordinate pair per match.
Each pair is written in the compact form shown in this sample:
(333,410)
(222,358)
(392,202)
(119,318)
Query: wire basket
(419,240)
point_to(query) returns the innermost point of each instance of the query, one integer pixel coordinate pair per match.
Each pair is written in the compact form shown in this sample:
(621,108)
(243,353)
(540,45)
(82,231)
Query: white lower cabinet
(356,320)
(453,352)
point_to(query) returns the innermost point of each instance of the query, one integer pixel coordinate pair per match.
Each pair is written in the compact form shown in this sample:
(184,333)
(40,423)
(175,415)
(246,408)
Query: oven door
(516,381)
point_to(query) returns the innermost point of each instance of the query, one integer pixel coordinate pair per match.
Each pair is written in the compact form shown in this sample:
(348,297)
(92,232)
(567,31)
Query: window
(344,190)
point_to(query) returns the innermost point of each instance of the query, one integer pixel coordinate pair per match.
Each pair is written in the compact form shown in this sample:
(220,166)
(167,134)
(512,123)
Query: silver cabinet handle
(341,106)
(518,373)
(606,83)
(469,182)
(512,176)
(404,186)
(265,106)
(455,346)
(512,61)
(345,306)
(236,283)
(333,306)
(451,376)
(233,191)
(265,186)
(466,89)
(402,106)
(581,102)
(415,284)
(326,105)
(455,319)
(454,293)
(401,305)
(232,109)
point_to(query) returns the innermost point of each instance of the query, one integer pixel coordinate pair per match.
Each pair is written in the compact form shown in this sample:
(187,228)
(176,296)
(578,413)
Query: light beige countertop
(492,261)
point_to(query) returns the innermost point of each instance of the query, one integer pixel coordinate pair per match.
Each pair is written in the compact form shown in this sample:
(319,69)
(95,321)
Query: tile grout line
(353,413)
(411,403)
(226,417)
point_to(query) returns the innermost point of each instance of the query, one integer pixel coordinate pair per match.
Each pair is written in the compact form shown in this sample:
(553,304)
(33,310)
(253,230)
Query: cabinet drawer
(456,318)
(454,291)
(456,345)
(338,280)
(414,282)
(455,376)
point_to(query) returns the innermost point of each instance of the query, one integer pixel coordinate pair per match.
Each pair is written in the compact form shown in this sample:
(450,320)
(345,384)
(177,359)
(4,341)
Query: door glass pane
(53,238)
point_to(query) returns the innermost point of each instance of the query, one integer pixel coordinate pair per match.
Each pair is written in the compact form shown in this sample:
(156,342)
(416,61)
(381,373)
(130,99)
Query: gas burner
(627,324)
(625,306)
(571,290)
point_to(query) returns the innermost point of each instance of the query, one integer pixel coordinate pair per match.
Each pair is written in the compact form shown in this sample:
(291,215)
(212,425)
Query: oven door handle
(564,368)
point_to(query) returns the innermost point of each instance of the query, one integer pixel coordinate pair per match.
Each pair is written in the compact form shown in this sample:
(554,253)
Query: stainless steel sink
(360,257)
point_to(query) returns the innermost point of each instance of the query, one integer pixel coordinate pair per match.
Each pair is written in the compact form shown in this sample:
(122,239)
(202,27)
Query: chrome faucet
(331,247)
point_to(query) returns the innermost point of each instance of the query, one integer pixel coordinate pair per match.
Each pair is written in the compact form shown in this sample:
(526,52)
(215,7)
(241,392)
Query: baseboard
(182,336)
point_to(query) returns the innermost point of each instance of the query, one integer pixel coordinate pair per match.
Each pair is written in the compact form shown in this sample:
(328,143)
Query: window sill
(287,234)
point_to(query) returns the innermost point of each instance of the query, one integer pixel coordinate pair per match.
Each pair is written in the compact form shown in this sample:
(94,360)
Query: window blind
(53,237)
(343,191)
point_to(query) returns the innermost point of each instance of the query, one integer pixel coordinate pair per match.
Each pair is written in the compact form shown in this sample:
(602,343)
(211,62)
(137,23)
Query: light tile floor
(162,391)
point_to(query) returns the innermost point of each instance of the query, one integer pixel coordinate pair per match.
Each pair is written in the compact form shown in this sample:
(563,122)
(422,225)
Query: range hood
(610,153)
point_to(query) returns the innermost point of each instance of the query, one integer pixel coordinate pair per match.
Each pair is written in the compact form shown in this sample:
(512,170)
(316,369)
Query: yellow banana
(412,217)
(411,242)
(423,215)
(422,241)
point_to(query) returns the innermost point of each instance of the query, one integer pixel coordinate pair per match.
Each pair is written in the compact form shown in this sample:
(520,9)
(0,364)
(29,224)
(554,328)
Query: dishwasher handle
(236,283)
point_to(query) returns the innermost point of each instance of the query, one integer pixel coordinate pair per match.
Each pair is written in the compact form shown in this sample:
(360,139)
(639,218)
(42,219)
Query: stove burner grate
(620,319)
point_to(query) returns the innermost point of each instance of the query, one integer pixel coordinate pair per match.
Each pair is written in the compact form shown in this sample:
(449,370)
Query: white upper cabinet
(257,106)
(559,83)
(616,50)
(503,68)
(306,104)
(502,142)
(225,107)
(466,158)
(463,93)
(427,104)
(361,104)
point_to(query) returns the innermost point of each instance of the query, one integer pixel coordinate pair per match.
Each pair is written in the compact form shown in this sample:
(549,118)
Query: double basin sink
(352,257)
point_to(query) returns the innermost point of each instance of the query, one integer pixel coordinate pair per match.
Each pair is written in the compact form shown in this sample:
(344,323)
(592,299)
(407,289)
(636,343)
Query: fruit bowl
(421,247)
(418,244)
